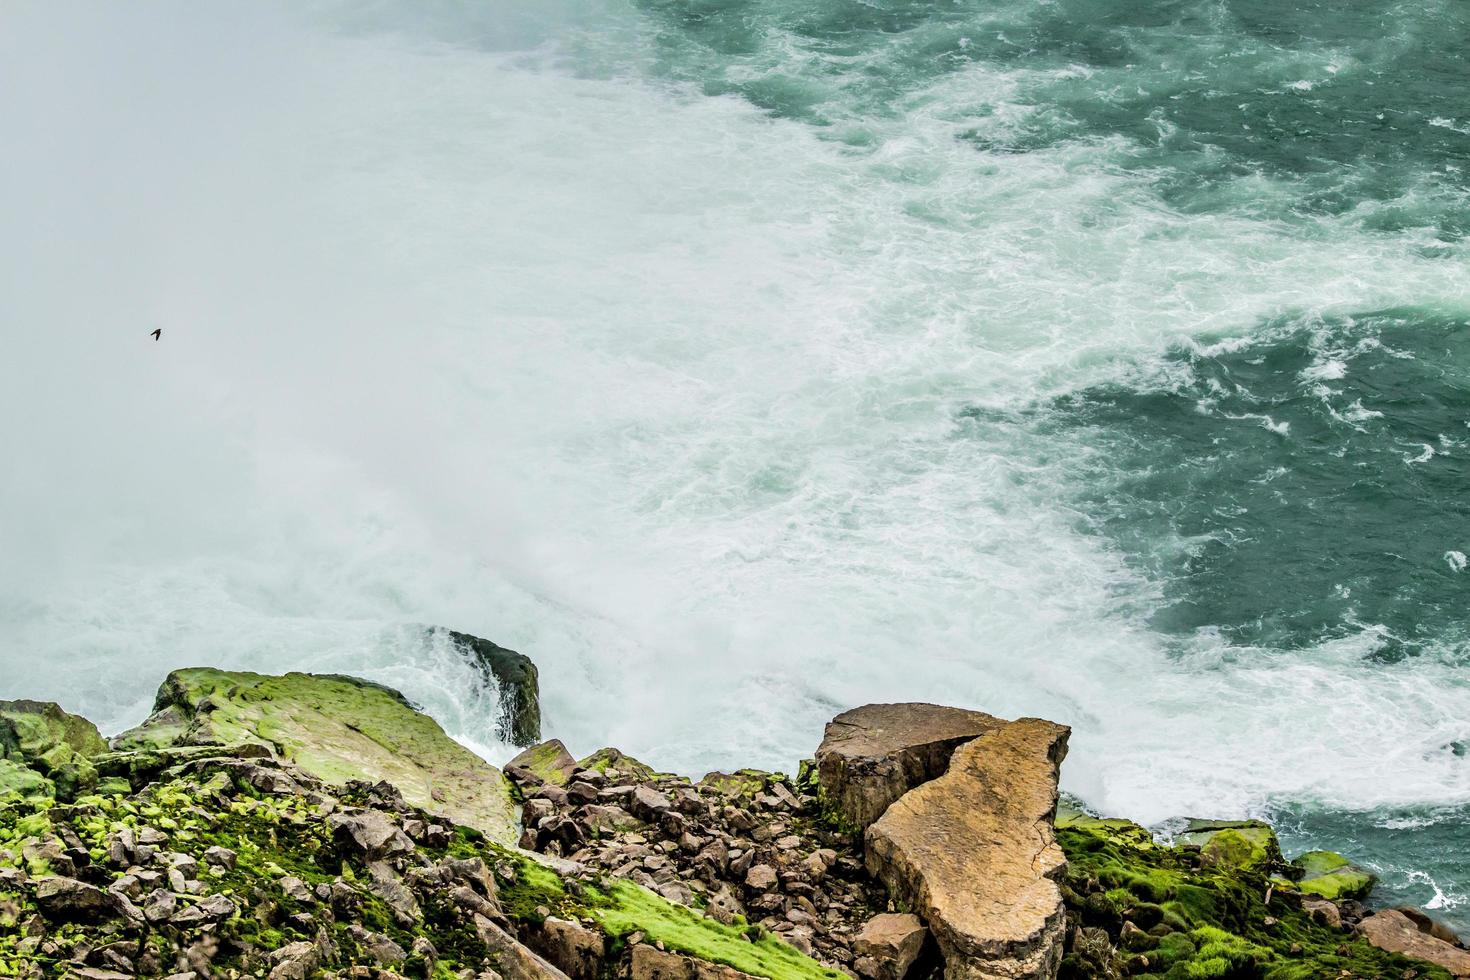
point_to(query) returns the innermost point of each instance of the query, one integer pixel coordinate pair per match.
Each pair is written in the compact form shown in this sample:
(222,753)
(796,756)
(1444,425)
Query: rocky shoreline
(316,825)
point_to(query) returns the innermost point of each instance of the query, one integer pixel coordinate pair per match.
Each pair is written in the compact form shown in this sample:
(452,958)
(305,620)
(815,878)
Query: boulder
(1330,875)
(746,783)
(1233,843)
(606,759)
(550,761)
(870,756)
(1114,828)
(974,853)
(335,728)
(18,779)
(514,676)
(513,960)
(1397,933)
(54,744)
(370,833)
(72,900)
(576,950)
(893,942)
(1428,926)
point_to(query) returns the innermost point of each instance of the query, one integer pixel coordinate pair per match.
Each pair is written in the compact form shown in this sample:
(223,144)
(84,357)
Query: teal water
(744,360)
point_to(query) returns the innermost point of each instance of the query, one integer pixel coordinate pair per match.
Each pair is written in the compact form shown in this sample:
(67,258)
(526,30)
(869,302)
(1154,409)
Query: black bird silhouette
(157,333)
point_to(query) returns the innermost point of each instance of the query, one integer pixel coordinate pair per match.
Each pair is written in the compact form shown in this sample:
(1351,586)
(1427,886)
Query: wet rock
(1397,933)
(514,676)
(331,727)
(1233,843)
(973,852)
(295,889)
(1332,876)
(761,878)
(160,906)
(384,883)
(221,857)
(378,946)
(1428,926)
(649,804)
(871,756)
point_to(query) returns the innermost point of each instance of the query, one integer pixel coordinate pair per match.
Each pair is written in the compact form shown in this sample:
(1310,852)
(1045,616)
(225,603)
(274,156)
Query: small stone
(160,906)
(295,889)
(220,857)
(761,878)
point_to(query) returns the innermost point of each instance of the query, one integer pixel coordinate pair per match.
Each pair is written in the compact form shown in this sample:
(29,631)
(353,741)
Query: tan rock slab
(1397,933)
(870,756)
(974,853)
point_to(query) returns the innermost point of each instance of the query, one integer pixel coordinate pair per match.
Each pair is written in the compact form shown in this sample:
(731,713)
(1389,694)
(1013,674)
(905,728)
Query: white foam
(651,386)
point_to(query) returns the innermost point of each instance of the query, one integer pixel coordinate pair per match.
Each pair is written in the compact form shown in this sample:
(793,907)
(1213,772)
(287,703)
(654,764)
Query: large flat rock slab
(974,853)
(336,728)
(1396,932)
(871,756)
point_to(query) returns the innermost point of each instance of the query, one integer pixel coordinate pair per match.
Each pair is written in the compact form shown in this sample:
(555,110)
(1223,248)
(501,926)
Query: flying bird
(157,333)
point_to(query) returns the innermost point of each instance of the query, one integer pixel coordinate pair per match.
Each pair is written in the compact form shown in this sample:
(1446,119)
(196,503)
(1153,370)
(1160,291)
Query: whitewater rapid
(469,319)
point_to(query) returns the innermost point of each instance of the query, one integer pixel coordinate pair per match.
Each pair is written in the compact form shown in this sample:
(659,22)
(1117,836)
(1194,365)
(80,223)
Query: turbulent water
(743,360)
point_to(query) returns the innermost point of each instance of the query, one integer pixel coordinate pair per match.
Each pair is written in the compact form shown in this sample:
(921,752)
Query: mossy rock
(621,908)
(515,676)
(609,758)
(549,760)
(17,780)
(1211,918)
(1330,875)
(742,783)
(336,728)
(1116,828)
(1235,843)
(54,743)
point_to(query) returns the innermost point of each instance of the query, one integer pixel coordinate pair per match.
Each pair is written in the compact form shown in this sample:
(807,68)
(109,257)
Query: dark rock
(515,676)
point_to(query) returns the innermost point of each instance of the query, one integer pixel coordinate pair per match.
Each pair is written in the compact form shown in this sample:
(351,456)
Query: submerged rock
(870,756)
(333,727)
(973,852)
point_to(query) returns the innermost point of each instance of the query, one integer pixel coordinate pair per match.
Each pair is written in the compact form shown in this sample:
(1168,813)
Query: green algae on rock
(203,866)
(1173,913)
(609,758)
(1330,875)
(1236,843)
(50,750)
(333,727)
(548,760)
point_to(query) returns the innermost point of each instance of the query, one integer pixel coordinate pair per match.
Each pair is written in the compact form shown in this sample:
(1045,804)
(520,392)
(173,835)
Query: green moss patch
(622,908)
(1204,918)
(1330,875)
(336,728)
